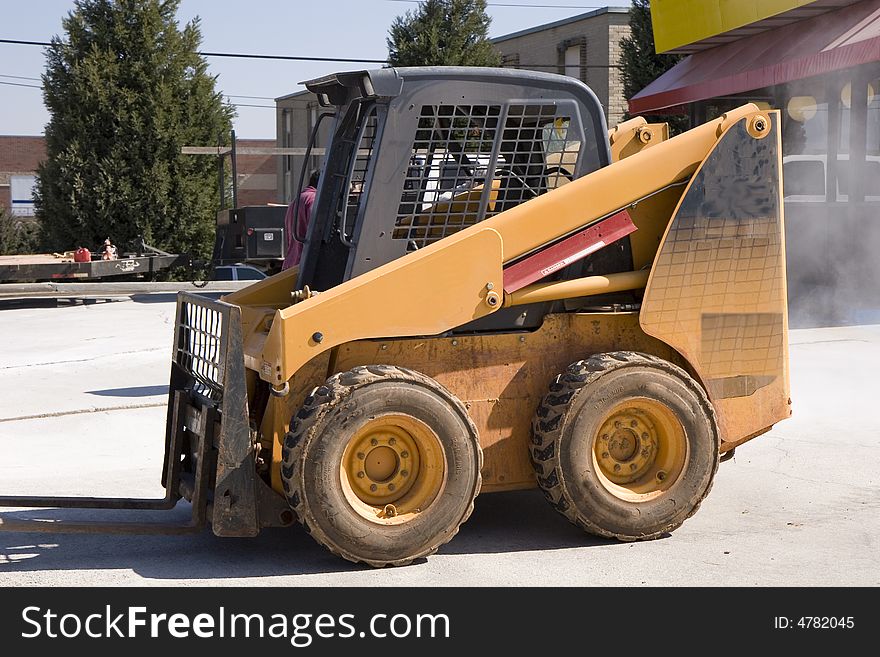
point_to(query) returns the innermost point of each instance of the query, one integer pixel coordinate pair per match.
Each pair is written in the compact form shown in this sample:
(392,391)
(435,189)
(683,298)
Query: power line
(252,97)
(532,66)
(23,77)
(236,54)
(246,105)
(294,58)
(508,4)
(26,43)
(19,84)
(19,77)
(37,86)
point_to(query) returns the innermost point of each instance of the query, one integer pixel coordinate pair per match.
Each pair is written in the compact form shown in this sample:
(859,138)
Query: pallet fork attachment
(209,454)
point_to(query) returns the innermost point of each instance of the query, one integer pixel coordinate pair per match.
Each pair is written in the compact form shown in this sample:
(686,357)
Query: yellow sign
(681,22)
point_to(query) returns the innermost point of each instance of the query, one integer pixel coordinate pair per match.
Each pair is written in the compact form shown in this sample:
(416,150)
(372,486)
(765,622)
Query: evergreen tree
(443,33)
(17,235)
(640,63)
(126,90)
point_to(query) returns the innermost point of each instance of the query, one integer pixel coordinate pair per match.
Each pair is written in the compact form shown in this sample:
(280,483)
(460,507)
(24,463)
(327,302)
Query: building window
(873,123)
(286,141)
(21,189)
(573,62)
(572,58)
(831,138)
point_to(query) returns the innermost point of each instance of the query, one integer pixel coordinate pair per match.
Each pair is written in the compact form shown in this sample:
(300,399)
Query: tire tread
(326,397)
(547,425)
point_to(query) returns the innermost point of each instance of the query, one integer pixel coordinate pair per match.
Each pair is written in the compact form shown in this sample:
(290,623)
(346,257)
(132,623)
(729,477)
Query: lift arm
(459,278)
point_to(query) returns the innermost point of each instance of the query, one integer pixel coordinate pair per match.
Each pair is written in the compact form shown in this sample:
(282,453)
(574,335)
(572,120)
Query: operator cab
(418,154)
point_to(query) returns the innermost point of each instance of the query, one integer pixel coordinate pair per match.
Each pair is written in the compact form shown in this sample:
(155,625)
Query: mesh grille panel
(536,155)
(443,188)
(465,165)
(199,347)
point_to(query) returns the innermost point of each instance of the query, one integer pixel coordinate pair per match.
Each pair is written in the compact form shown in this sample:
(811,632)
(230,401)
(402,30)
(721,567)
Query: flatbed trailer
(52,267)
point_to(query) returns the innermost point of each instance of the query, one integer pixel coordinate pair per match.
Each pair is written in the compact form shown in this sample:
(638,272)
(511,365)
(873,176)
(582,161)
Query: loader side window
(538,153)
(350,199)
(467,165)
(445,182)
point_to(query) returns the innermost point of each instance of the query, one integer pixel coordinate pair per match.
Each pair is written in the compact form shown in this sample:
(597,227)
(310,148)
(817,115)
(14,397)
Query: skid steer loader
(496,293)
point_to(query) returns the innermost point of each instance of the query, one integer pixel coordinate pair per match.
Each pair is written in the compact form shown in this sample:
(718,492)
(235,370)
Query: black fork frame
(209,446)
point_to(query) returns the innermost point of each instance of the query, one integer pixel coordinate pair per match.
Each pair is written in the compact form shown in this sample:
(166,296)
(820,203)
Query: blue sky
(314,28)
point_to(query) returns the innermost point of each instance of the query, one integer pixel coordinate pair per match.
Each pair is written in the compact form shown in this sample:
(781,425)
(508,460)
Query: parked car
(237,272)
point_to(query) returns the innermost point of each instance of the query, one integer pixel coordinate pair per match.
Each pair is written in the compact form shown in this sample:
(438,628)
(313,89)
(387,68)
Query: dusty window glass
(872,135)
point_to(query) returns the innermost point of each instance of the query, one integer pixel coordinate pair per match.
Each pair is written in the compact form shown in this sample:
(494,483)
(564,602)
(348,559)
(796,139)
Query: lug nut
(404,454)
(617,467)
(390,486)
(374,487)
(404,473)
(360,475)
(604,455)
(392,440)
(374,442)
(634,423)
(617,424)
(661,475)
(632,466)
(644,435)
(360,455)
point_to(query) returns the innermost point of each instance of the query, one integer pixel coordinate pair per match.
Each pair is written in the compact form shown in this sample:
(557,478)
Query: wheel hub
(627,445)
(382,463)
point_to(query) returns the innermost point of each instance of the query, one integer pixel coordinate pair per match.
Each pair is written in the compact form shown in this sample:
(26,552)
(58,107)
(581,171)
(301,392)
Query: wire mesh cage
(470,162)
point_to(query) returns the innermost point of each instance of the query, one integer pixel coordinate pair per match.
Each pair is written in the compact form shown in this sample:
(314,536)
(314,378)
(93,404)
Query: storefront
(818,62)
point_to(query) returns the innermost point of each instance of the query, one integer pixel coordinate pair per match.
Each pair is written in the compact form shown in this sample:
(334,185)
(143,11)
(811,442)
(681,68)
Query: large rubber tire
(342,413)
(574,468)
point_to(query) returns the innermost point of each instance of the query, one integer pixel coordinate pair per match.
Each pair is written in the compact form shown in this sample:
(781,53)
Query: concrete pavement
(82,412)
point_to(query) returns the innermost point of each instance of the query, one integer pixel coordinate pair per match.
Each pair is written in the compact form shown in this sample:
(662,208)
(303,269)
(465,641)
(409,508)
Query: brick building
(296,115)
(19,157)
(257,178)
(586,47)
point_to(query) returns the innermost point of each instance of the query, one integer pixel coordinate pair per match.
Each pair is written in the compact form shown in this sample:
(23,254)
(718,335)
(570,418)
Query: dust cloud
(832,213)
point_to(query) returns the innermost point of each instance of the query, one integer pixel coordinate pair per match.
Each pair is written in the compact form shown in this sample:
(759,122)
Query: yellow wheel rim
(640,450)
(392,469)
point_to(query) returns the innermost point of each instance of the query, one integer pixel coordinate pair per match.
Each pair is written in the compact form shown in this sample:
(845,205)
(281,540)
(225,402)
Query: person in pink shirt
(297,234)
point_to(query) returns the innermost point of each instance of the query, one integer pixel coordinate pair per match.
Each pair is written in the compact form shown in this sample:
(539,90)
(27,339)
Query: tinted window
(223,274)
(870,172)
(248,274)
(804,178)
